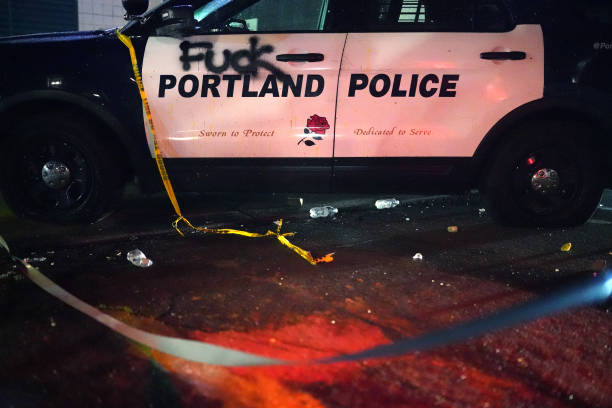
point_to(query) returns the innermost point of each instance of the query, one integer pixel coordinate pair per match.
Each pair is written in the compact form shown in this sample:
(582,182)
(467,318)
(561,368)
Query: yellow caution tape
(281,238)
(168,184)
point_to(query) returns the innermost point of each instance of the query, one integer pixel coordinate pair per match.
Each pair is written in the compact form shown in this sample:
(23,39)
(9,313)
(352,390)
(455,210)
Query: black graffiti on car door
(245,61)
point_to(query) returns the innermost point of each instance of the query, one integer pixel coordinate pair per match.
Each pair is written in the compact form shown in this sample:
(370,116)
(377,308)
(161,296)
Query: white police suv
(512,97)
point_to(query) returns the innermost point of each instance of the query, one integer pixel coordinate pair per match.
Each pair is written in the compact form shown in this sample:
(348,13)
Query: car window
(419,15)
(278,16)
(434,15)
(491,16)
(599,11)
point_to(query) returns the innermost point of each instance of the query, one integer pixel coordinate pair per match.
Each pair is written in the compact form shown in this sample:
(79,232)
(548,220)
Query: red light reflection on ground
(438,378)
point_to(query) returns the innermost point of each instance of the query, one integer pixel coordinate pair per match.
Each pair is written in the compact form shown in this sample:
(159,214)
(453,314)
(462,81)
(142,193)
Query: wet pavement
(257,296)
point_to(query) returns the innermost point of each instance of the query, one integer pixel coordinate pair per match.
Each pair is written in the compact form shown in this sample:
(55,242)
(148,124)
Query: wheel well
(485,154)
(22,111)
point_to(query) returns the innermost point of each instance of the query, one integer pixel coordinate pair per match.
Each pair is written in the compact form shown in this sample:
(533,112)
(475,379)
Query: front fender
(121,136)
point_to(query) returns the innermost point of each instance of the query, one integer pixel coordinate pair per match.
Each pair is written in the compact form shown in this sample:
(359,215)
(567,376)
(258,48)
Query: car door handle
(312,57)
(506,55)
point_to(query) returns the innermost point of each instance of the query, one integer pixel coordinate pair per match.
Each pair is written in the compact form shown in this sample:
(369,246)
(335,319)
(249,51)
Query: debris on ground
(323,212)
(8,275)
(566,247)
(482,211)
(35,260)
(125,309)
(329,258)
(417,257)
(386,203)
(138,258)
(453,228)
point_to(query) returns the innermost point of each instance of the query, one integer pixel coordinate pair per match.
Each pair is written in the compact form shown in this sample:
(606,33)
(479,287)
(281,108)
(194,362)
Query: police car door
(424,81)
(250,97)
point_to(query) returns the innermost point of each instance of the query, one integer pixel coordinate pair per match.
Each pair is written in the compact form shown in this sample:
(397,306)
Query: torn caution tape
(159,160)
(593,291)
(281,238)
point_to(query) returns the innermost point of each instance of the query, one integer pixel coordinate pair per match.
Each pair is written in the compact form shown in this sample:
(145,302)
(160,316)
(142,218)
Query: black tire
(88,190)
(568,196)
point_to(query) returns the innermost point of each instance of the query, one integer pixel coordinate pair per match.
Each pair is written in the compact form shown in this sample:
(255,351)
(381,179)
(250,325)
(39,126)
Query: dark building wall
(37,16)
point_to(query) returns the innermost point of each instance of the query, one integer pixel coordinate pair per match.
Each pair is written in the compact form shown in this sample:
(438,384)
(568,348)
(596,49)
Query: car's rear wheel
(546,174)
(57,169)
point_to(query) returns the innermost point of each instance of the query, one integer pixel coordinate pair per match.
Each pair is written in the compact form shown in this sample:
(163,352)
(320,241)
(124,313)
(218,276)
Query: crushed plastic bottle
(138,258)
(322,212)
(417,257)
(387,203)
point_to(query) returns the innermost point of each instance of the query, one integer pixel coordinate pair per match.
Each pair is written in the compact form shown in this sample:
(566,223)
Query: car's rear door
(249,110)
(421,84)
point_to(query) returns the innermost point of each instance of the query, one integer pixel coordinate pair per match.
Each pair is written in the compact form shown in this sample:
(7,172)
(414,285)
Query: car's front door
(251,102)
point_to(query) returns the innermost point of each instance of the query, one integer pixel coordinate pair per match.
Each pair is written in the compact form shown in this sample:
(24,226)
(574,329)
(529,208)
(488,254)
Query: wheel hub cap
(55,175)
(545,181)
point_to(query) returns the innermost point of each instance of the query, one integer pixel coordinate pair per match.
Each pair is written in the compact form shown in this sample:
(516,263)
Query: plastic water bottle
(322,212)
(387,203)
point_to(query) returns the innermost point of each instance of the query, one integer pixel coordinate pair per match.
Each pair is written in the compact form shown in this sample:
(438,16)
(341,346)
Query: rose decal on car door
(316,126)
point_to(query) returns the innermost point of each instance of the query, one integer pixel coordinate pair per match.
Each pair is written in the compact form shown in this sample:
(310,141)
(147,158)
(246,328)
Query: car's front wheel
(547,173)
(57,169)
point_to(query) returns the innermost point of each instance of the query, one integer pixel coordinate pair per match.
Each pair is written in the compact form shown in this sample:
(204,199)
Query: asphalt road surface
(256,295)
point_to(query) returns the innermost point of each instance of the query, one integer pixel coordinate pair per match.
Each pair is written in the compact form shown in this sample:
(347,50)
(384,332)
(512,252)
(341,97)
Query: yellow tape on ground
(168,184)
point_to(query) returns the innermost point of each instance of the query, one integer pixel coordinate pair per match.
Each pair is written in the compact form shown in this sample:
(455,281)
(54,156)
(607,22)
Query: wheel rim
(55,176)
(546,181)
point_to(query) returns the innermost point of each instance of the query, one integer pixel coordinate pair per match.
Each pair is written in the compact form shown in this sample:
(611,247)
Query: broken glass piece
(35,259)
(138,258)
